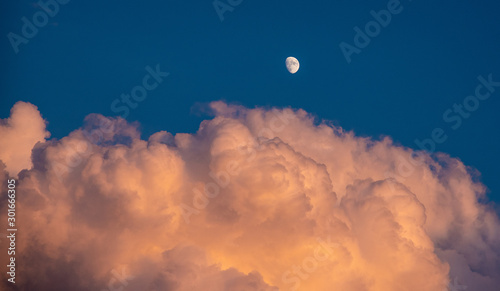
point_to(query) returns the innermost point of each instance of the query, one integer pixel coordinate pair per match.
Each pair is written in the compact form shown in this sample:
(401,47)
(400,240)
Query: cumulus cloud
(20,132)
(256,199)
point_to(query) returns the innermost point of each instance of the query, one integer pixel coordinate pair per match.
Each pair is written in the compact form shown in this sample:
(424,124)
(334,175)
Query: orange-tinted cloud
(255,200)
(19,134)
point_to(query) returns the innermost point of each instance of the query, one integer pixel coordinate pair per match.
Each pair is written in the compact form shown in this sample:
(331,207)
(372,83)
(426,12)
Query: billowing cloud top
(19,134)
(257,199)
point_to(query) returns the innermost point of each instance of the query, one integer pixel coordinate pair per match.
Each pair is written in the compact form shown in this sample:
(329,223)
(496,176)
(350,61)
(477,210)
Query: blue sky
(427,59)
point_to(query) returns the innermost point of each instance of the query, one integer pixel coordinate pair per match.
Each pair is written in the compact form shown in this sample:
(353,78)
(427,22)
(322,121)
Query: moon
(292,65)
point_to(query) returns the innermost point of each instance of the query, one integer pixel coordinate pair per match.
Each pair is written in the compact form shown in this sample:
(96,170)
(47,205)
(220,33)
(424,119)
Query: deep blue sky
(424,61)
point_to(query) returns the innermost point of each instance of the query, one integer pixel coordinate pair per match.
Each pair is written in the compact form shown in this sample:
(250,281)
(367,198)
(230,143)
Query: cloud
(20,132)
(256,199)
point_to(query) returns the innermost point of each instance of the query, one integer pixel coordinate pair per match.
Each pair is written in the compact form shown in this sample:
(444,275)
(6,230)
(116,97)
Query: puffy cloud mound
(256,199)
(19,134)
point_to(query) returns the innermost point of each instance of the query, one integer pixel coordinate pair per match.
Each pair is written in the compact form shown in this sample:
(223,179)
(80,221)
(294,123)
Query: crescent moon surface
(292,65)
